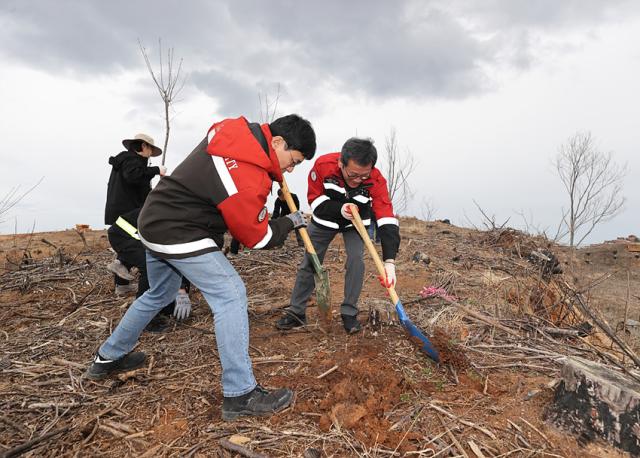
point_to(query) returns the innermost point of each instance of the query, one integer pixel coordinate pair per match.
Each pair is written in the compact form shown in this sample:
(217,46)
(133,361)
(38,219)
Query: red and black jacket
(222,185)
(328,192)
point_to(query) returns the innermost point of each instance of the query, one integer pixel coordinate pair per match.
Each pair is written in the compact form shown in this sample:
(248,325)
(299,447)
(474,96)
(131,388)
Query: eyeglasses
(356,176)
(293,161)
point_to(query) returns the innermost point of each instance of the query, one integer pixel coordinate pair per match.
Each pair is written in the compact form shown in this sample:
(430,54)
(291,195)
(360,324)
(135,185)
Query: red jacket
(328,192)
(222,185)
(252,173)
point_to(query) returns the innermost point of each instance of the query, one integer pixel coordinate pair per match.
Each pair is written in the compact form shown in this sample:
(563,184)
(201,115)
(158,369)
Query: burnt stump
(594,401)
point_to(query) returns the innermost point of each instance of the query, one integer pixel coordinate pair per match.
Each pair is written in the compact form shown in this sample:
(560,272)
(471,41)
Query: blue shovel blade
(414,332)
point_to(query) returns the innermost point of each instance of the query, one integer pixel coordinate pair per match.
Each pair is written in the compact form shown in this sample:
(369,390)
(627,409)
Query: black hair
(297,132)
(136,146)
(360,150)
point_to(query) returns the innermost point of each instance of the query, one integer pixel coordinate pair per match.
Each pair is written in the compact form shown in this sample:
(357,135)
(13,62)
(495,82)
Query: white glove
(183,306)
(163,170)
(390,274)
(346,212)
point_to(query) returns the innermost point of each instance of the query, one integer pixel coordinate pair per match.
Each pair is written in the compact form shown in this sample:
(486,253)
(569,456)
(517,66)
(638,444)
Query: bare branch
(530,227)
(169,84)
(397,168)
(469,220)
(593,183)
(561,229)
(268,108)
(490,222)
(427,209)
(12,198)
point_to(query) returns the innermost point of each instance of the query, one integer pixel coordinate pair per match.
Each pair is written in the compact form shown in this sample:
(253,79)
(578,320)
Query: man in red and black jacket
(222,185)
(336,181)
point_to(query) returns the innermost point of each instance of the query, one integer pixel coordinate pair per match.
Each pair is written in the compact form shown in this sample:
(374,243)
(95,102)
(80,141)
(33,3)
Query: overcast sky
(482,94)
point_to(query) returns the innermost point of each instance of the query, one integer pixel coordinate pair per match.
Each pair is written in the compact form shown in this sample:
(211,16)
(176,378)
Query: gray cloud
(547,14)
(101,37)
(378,49)
(234,95)
(71,36)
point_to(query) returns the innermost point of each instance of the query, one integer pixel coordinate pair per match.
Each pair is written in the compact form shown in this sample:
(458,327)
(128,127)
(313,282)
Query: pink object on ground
(432,291)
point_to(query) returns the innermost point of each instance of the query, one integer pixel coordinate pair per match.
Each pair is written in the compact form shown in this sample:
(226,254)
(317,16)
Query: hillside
(371,394)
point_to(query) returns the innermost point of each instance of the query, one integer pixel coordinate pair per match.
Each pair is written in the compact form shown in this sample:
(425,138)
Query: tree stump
(594,401)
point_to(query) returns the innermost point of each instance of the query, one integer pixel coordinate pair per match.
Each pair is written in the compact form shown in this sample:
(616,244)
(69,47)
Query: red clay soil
(451,354)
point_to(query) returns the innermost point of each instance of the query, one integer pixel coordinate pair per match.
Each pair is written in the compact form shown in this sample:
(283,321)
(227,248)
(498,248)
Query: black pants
(131,253)
(235,246)
(321,237)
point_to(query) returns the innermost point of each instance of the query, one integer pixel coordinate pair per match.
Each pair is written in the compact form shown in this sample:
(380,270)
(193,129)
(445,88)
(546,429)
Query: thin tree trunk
(166,135)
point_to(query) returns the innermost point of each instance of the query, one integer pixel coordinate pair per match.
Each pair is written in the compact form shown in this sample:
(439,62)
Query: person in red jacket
(336,181)
(222,185)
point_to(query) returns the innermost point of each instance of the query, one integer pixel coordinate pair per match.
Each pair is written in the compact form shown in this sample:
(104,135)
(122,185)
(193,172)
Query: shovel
(414,333)
(323,292)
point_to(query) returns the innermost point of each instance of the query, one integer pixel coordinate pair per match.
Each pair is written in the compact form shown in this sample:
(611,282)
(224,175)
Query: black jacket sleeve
(390,240)
(136,172)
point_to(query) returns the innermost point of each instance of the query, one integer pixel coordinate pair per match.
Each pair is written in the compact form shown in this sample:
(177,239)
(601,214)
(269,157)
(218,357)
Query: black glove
(297,219)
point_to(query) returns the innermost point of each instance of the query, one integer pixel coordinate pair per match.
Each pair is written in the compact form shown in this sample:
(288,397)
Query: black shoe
(351,324)
(291,320)
(159,323)
(102,368)
(255,403)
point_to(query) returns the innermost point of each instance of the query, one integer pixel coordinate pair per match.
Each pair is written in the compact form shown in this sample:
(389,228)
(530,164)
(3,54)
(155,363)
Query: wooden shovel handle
(292,206)
(357,222)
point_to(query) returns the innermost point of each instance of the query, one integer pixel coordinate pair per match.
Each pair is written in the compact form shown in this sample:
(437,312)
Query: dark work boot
(102,368)
(160,323)
(256,403)
(291,320)
(351,324)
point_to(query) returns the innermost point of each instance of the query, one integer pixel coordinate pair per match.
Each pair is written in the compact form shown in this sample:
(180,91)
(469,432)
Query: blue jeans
(225,293)
(374,234)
